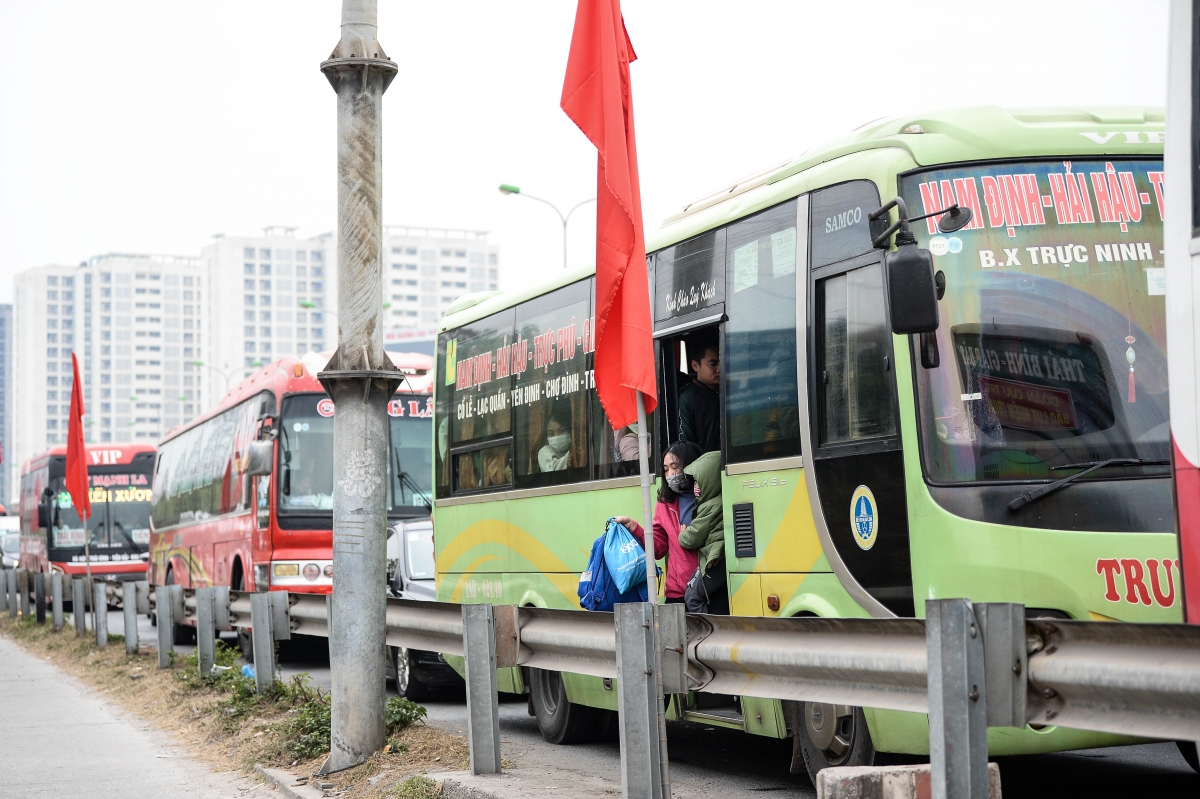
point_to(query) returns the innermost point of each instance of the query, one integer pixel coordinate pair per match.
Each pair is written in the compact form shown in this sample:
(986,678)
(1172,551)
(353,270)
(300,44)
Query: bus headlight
(311,571)
(287,569)
(329,571)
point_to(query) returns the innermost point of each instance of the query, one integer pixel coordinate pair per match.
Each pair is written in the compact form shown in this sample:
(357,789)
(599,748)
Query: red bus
(214,523)
(118,531)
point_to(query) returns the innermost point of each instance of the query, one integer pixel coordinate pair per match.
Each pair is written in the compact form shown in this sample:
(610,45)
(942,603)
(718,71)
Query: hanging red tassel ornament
(1131,356)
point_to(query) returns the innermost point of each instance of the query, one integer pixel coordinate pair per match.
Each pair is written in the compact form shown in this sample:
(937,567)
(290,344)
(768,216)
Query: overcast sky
(150,126)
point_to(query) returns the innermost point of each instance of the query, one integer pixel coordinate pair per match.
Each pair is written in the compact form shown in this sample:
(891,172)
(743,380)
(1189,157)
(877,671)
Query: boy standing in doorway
(700,401)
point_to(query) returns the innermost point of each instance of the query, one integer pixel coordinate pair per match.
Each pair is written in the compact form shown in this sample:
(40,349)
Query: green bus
(863,472)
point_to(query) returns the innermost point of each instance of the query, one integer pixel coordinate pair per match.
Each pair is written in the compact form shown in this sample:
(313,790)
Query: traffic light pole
(361,379)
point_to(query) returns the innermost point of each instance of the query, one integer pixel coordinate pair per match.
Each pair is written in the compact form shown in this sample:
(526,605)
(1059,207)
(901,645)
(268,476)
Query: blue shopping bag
(624,556)
(597,591)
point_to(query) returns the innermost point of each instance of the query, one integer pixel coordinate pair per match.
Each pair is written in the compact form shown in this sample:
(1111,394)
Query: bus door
(689,298)
(854,452)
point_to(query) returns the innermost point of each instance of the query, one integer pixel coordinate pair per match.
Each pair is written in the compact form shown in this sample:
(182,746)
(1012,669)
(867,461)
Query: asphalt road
(708,761)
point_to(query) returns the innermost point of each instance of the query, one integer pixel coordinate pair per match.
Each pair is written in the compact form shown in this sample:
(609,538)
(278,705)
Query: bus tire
(1188,750)
(245,638)
(560,720)
(181,635)
(832,735)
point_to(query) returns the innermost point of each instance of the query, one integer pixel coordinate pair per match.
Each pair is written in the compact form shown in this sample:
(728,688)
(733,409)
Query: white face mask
(559,443)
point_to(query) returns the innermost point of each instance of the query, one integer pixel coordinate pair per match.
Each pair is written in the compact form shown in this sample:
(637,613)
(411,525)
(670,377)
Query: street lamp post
(508,188)
(223,373)
(360,379)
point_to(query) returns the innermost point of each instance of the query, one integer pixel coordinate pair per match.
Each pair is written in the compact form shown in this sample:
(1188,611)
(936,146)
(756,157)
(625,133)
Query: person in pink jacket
(676,502)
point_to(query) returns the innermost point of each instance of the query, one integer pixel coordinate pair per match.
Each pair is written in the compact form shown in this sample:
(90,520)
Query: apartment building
(137,323)
(427,269)
(274,295)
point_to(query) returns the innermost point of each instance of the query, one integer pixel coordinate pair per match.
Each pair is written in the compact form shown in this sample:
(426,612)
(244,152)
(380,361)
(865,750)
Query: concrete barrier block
(886,782)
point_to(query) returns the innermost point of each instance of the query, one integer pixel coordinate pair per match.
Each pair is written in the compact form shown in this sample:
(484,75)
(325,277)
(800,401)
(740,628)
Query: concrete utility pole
(361,380)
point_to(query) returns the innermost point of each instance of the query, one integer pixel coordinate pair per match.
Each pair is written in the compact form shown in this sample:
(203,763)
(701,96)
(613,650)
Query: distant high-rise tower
(8,489)
(136,322)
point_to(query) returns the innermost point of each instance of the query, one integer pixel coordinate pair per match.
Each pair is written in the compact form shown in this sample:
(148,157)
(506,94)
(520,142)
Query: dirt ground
(226,729)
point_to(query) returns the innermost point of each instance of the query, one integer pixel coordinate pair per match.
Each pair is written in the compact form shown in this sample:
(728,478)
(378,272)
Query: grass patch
(416,787)
(227,725)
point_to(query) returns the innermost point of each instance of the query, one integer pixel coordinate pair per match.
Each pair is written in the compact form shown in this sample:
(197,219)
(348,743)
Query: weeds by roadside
(229,725)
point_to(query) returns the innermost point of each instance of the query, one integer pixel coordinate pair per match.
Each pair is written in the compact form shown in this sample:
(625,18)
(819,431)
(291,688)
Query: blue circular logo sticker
(864,517)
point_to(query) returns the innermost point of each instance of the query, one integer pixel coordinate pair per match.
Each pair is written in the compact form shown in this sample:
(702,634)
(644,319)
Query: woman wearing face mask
(553,457)
(672,514)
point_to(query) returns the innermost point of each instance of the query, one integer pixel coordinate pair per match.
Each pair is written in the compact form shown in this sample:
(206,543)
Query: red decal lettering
(1081,201)
(1135,585)
(1033,199)
(966,194)
(1122,208)
(1168,600)
(932,202)
(1062,203)
(414,407)
(1109,567)
(1014,201)
(1103,200)
(993,200)
(1156,180)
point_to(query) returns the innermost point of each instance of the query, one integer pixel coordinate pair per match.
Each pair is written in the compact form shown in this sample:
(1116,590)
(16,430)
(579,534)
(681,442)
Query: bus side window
(854,383)
(550,389)
(759,369)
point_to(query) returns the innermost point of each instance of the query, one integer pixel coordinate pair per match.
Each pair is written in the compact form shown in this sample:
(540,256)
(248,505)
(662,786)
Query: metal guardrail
(1137,679)
(968,666)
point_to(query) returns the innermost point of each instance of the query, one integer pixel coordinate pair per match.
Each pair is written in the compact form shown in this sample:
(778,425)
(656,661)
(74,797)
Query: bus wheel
(1188,750)
(833,735)
(182,635)
(560,720)
(245,638)
(407,684)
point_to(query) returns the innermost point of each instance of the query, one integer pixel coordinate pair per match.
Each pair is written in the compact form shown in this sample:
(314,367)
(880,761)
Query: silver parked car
(10,541)
(411,576)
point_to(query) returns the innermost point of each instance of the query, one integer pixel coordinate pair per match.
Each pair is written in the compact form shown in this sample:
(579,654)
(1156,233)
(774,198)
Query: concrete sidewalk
(59,739)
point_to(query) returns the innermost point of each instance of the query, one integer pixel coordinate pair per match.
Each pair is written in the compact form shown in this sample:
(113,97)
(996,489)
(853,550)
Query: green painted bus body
(530,550)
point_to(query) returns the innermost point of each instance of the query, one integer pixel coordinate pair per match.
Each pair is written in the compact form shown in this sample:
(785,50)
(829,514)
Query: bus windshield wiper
(1088,467)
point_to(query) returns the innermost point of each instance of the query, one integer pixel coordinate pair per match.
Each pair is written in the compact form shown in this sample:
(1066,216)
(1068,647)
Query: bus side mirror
(912,289)
(260,458)
(43,520)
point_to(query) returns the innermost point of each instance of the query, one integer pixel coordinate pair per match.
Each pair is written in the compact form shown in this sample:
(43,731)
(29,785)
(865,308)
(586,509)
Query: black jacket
(700,416)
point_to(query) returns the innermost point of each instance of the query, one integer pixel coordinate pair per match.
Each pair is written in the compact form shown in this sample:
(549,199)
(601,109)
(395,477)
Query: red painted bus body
(118,531)
(214,524)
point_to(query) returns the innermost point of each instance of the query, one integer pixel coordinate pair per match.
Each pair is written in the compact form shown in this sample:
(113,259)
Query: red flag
(598,98)
(77,475)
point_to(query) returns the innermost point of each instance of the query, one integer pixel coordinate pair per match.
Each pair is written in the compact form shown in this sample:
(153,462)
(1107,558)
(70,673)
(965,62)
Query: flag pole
(88,591)
(652,587)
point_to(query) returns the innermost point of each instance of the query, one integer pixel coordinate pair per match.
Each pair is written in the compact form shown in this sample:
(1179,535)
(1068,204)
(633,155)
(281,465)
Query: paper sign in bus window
(1156,281)
(745,266)
(783,252)
(1028,407)
(1050,382)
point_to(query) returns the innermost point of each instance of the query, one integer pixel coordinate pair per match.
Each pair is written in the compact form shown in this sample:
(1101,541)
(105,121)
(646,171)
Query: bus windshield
(1052,342)
(411,464)
(120,517)
(306,456)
